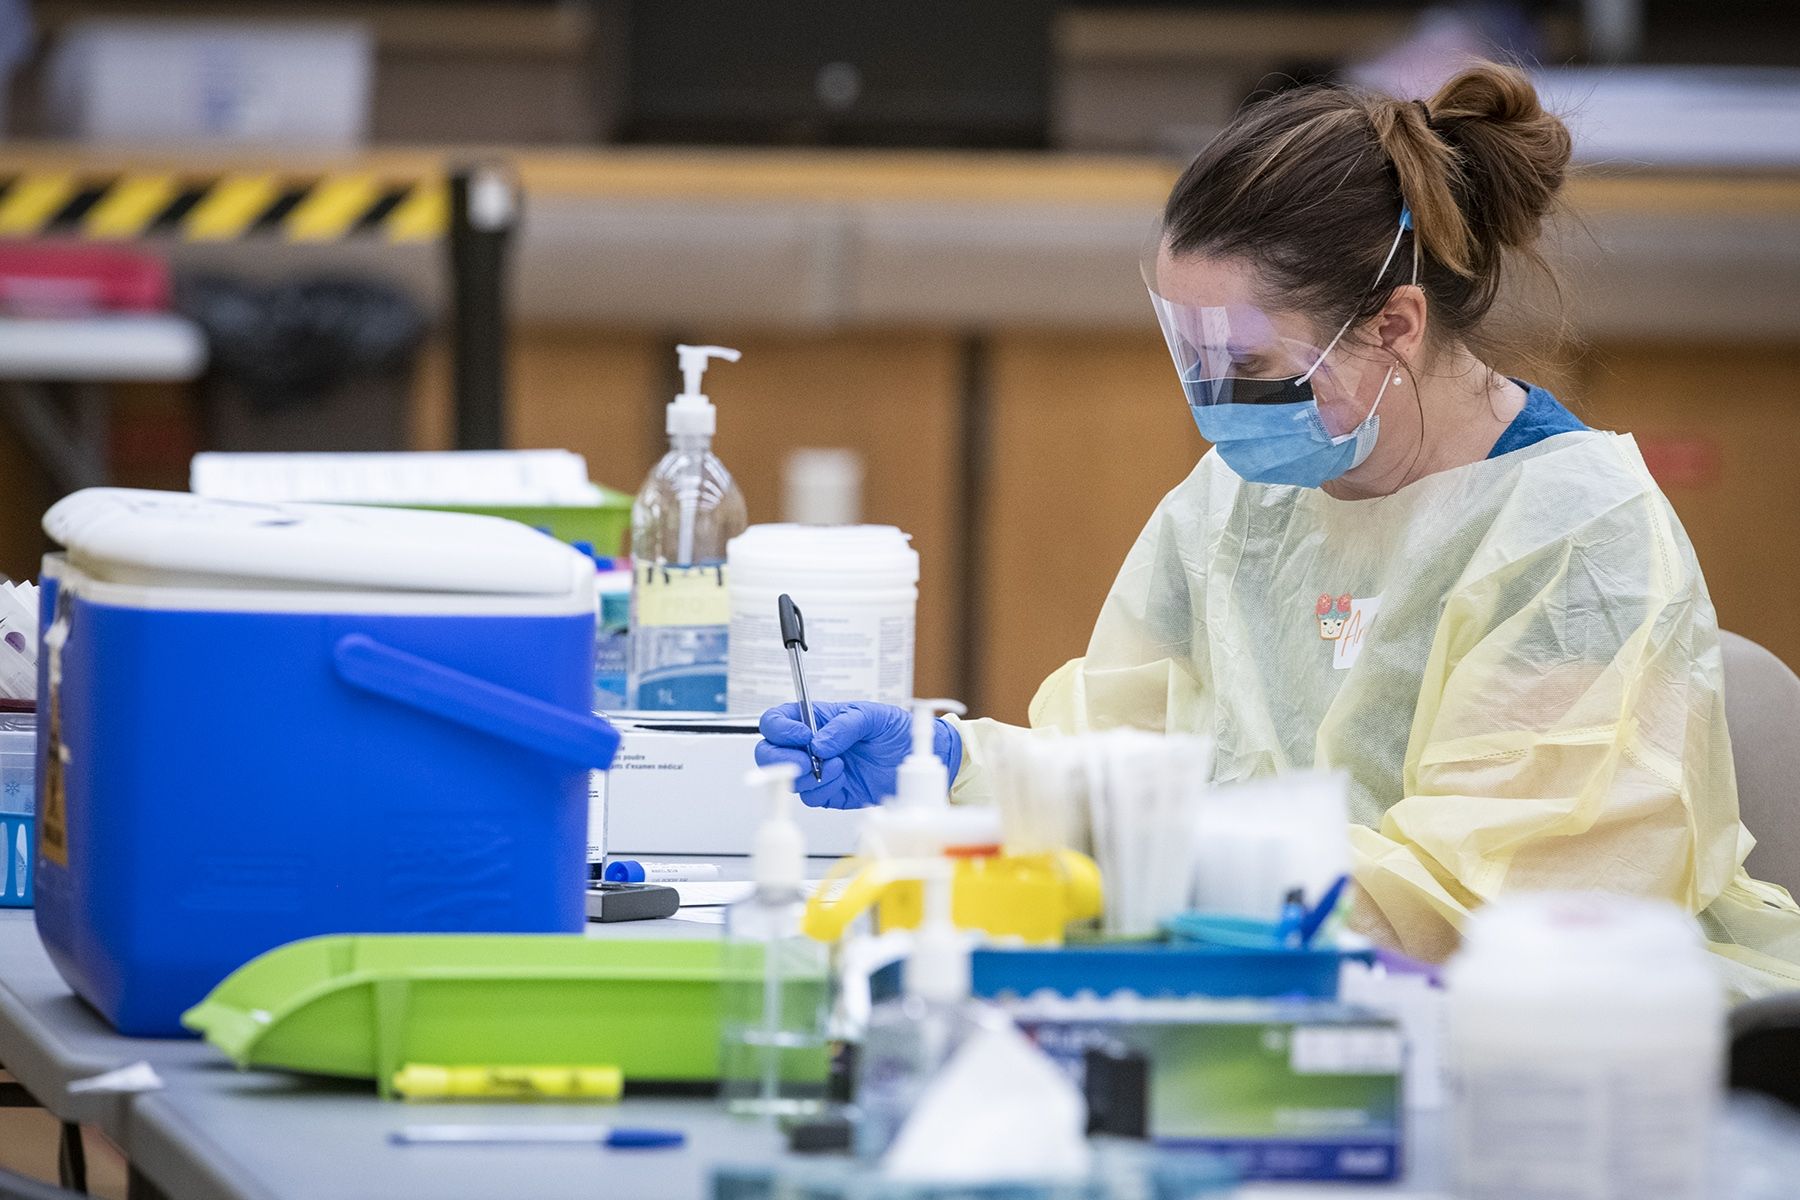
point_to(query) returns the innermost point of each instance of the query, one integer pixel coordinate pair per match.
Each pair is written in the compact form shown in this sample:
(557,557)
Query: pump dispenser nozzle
(923,780)
(938,967)
(778,852)
(691,412)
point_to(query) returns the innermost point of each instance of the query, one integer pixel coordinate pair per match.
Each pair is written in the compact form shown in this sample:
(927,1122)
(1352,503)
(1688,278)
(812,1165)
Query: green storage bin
(363,1006)
(603,526)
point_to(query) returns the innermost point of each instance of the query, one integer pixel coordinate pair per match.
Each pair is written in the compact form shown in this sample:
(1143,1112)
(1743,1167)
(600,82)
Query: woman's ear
(1400,325)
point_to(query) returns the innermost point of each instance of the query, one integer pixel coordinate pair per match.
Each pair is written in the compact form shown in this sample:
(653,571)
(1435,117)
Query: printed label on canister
(853,653)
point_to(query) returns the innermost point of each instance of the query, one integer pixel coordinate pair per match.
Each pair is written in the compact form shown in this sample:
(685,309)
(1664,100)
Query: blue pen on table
(1293,912)
(613,1137)
(793,636)
(1311,923)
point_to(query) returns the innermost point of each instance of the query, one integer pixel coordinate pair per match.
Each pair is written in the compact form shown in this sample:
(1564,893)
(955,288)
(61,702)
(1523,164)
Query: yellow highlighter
(420,1081)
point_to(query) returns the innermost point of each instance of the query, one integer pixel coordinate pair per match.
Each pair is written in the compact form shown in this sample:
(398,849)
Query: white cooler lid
(121,535)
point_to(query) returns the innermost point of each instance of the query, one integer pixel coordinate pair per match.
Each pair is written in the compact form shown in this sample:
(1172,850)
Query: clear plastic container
(774,1057)
(18,808)
(1122,1171)
(1586,1051)
(774,1053)
(910,1038)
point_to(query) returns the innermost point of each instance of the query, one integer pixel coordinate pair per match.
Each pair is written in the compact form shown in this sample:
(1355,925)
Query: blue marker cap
(625,870)
(644,1139)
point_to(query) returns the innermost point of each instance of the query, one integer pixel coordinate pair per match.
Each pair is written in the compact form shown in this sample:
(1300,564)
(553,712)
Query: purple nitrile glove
(860,747)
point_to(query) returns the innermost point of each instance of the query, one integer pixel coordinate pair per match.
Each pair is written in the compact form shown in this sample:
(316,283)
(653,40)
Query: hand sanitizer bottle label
(680,637)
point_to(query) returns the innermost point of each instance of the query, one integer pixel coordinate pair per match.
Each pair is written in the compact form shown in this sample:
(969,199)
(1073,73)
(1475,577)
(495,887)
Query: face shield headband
(1233,354)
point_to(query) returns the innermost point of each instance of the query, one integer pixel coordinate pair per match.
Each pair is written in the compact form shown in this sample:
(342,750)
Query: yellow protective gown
(1516,661)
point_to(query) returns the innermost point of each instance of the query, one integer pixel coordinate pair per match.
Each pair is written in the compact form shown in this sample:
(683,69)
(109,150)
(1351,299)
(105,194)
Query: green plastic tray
(602,526)
(364,1006)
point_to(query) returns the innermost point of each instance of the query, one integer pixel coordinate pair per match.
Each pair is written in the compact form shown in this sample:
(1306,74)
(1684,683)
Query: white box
(233,81)
(677,788)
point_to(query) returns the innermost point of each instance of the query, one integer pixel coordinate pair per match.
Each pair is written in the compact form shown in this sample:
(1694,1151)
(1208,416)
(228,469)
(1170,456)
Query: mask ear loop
(1387,377)
(1406,223)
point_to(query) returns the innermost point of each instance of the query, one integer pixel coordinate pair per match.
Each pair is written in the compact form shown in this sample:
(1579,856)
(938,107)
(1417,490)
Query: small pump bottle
(910,1039)
(919,820)
(777,995)
(686,512)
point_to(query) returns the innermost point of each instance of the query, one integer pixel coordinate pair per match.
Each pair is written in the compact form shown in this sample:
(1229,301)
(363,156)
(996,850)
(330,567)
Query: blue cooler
(265,722)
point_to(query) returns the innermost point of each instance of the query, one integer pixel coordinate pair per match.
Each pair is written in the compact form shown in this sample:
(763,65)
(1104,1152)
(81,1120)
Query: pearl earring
(1397,378)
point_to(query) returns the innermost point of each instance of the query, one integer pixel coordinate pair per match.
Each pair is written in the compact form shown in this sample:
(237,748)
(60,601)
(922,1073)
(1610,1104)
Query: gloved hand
(860,747)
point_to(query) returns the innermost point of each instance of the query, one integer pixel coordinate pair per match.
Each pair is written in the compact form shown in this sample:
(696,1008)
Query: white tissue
(138,1077)
(999,1110)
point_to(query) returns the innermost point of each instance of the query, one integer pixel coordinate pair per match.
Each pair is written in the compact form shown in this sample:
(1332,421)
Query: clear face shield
(1234,354)
(1250,385)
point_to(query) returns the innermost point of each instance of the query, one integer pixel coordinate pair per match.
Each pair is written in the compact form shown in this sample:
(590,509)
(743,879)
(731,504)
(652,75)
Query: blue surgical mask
(1267,429)
(1286,442)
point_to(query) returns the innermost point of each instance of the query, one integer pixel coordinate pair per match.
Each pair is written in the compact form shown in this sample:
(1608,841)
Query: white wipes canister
(857,588)
(1586,1050)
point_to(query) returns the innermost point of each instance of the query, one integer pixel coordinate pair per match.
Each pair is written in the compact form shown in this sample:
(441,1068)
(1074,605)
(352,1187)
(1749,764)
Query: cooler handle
(581,739)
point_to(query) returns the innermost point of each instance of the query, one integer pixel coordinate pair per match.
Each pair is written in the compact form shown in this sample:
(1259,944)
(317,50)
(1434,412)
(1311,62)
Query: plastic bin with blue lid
(18,808)
(1160,969)
(266,722)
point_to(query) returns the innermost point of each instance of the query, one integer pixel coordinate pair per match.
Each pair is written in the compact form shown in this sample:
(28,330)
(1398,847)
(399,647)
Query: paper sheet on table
(719,893)
(700,916)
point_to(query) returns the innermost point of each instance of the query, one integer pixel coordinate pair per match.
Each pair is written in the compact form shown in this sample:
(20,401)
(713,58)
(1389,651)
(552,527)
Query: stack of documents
(18,641)
(474,477)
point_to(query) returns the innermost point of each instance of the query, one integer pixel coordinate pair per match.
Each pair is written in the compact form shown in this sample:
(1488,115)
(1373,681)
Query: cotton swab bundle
(1128,797)
(1147,810)
(1042,793)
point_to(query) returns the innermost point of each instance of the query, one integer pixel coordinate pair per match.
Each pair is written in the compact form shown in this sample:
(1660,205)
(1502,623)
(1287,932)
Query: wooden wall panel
(24,494)
(1088,432)
(595,395)
(893,398)
(589,390)
(1718,428)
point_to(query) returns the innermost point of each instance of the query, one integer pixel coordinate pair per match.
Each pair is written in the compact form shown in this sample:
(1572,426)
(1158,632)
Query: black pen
(793,636)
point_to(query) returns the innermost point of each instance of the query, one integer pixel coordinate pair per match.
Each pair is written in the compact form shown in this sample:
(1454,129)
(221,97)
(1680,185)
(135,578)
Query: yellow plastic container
(1032,897)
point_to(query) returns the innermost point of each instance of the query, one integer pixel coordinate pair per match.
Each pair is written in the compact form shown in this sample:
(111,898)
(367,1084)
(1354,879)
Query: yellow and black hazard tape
(220,208)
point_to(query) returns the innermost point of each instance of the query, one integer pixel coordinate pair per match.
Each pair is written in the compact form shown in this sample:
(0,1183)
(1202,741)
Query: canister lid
(122,535)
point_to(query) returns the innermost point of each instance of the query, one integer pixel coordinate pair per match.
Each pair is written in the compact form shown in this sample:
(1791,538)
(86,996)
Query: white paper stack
(18,641)
(471,477)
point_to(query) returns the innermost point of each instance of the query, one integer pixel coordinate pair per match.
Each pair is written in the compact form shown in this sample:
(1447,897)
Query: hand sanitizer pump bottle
(686,512)
(777,995)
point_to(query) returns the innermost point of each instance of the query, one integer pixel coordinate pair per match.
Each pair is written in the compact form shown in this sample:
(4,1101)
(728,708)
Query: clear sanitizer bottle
(686,512)
(775,1054)
(910,1039)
